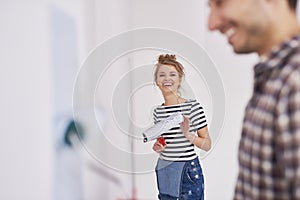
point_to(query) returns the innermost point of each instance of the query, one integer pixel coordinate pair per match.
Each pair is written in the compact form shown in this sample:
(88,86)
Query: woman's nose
(168,77)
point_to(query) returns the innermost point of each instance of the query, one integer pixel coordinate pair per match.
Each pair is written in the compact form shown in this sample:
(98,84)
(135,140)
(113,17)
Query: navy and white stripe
(178,147)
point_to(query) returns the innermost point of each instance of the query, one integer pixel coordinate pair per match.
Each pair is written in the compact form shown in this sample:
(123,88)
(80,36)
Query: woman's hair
(169,60)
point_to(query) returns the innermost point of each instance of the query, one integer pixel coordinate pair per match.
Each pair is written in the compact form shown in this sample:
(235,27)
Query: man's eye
(219,2)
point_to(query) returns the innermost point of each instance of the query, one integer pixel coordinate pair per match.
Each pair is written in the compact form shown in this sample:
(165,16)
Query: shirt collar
(277,56)
(278,53)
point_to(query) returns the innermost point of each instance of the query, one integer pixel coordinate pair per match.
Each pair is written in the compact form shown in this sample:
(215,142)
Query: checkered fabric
(269,150)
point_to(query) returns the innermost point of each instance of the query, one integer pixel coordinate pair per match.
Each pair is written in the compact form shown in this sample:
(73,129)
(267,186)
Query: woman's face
(167,79)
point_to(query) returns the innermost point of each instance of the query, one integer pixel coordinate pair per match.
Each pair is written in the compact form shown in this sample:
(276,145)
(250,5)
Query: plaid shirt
(269,151)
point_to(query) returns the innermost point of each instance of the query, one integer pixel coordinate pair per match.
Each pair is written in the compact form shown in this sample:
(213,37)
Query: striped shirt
(269,150)
(178,147)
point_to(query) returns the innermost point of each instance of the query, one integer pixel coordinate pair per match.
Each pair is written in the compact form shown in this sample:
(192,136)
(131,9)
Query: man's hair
(293,4)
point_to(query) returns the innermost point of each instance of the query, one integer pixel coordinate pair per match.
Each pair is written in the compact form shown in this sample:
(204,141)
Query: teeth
(167,84)
(230,32)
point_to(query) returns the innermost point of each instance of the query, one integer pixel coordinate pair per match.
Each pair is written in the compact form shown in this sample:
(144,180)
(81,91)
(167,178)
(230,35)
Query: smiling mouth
(167,84)
(230,32)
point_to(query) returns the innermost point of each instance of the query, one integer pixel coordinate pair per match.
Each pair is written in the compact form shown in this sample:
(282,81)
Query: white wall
(28,59)
(26,103)
(102,20)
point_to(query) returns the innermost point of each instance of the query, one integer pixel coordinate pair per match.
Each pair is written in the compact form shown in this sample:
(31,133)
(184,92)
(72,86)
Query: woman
(178,171)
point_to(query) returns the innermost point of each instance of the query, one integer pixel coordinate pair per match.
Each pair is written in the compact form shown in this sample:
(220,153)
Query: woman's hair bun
(166,58)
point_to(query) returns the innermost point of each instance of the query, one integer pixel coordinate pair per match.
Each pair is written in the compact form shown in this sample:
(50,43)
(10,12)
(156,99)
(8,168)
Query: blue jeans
(180,180)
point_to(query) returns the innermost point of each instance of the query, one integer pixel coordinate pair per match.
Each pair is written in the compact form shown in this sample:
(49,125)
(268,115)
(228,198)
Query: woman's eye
(161,75)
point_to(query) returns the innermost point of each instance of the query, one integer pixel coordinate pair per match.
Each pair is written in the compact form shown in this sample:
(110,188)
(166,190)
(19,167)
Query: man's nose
(214,20)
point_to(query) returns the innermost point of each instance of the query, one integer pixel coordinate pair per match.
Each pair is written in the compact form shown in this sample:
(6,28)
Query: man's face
(245,23)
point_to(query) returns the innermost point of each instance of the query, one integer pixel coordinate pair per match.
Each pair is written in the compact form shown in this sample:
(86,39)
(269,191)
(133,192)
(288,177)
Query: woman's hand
(158,147)
(185,128)
(185,125)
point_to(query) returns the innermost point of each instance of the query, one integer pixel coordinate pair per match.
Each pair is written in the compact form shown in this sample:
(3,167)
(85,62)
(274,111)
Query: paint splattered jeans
(180,180)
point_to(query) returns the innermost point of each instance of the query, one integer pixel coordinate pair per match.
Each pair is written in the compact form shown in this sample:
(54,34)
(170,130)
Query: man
(269,150)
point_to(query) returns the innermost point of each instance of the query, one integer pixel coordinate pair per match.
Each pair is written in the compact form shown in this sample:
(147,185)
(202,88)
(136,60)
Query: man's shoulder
(291,70)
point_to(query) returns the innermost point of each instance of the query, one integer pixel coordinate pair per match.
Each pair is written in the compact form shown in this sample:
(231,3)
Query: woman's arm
(201,140)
